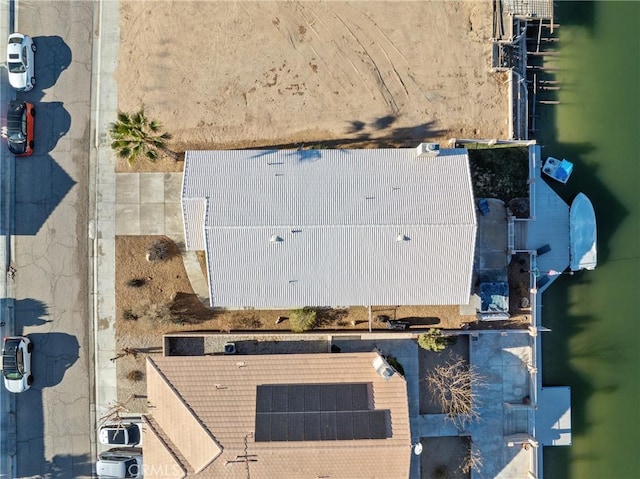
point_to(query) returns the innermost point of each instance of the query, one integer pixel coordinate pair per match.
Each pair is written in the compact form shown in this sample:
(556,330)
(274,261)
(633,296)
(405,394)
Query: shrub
(136,282)
(433,341)
(395,364)
(155,312)
(302,320)
(129,315)
(136,375)
(160,250)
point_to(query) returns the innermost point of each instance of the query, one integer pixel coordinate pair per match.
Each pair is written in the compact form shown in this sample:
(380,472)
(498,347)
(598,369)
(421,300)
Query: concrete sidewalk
(122,204)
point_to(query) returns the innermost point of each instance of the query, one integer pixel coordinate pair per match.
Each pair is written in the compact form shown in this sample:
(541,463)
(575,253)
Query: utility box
(428,150)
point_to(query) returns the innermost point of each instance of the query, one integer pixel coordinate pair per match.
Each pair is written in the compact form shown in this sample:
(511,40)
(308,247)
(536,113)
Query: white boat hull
(582,234)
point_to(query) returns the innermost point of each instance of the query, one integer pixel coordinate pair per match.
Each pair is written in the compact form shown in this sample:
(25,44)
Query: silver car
(20,53)
(120,463)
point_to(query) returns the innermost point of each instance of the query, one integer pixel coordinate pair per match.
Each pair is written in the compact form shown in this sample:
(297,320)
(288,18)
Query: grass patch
(500,173)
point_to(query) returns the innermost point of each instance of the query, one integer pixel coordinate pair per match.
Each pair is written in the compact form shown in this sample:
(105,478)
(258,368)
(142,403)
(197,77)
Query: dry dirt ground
(238,74)
(442,457)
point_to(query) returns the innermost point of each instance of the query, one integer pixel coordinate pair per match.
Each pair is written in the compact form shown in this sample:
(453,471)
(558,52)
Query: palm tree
(134,135)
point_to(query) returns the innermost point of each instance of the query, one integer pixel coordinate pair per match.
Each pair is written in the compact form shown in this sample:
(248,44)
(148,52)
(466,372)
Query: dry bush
(154,312)
(473,461)
(136,282)
(136,375)
(454,386)
(129,315)
(115,410)
(161,250)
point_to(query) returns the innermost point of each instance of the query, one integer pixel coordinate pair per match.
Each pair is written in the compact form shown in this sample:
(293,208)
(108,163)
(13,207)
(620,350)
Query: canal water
(594,345)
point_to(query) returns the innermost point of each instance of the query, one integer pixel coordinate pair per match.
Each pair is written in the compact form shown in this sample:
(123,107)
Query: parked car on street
(20,119)
(20,54)
(120,463)
(127,432)
(16,363)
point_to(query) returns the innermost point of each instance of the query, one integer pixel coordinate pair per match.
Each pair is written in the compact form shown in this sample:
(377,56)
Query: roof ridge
(185,405)
(169,446)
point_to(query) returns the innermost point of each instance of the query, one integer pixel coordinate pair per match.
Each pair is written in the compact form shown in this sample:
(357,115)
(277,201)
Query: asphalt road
(50,245)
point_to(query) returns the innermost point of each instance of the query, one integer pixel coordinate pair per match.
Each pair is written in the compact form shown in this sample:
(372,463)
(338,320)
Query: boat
(559,170)
(582,234)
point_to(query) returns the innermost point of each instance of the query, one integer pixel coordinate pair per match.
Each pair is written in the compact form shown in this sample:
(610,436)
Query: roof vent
(428,149)
(275,239)
(402,238)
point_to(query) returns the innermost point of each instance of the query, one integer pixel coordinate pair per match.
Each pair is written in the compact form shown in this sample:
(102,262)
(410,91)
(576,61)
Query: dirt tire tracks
(382,85)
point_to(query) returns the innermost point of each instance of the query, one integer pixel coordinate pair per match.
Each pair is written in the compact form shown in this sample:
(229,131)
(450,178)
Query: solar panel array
(318,412)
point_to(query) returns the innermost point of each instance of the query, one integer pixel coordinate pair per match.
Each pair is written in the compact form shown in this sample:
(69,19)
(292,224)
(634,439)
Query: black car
(20,116)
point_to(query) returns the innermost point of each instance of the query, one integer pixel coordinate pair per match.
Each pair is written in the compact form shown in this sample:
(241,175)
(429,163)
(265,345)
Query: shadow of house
(51,59)
(52,122)
(40,186)
(53,355)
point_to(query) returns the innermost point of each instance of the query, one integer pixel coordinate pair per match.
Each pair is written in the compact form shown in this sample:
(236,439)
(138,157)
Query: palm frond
(134,135)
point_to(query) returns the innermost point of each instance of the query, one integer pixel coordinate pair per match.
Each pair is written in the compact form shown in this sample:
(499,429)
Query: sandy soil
(235,74)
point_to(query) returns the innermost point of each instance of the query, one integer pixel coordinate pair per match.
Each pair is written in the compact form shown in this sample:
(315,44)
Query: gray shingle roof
(285,228)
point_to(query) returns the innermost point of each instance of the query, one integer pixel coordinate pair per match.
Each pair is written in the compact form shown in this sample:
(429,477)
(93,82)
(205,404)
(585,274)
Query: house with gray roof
(293,228)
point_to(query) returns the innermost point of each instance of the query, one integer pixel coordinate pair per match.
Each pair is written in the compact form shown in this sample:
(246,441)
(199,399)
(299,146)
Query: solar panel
(311,397)
(295,427)
(345,425)
(296,398)
(318,412)
(328,398)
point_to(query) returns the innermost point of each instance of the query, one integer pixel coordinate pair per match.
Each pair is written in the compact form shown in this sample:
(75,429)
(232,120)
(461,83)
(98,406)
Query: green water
(594,345)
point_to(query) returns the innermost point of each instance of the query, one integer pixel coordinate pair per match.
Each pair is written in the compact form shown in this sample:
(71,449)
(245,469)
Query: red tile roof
(201,419)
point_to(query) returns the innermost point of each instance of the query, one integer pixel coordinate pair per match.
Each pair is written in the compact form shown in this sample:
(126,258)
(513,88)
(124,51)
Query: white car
(20,50)
(16,363)
(120,463)
(128,432)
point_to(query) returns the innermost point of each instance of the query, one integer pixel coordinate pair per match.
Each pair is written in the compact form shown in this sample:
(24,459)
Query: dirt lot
(248,74)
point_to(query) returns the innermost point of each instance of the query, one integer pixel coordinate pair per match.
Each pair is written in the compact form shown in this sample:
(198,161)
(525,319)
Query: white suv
(120,463)
(127,432)
(16,363)
(20,50)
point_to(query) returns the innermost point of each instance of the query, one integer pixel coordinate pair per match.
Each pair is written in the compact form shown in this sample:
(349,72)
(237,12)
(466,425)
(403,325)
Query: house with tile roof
(280,415)
(294,228)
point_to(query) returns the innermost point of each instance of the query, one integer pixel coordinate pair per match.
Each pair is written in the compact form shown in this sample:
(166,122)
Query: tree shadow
(400,137)
(30,312)
(63,466)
